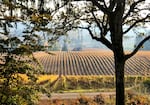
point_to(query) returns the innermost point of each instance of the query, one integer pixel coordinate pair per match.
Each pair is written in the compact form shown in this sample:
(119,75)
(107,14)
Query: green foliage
(16,52)
(13,62)
(14,91)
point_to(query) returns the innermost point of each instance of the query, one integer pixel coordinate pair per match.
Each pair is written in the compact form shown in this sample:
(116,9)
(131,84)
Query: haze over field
(81,40)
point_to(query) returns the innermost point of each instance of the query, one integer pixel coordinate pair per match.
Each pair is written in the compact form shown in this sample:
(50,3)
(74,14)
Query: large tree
(113,18)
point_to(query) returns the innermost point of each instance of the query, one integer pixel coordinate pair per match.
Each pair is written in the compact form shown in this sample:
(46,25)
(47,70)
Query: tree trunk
(119,74)
(116,33)
(117,43)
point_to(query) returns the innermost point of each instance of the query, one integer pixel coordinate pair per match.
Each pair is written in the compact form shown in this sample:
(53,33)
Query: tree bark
(119,74)
(116,30)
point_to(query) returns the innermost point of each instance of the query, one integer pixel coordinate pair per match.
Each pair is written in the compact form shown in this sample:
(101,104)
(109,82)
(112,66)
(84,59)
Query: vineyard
(91,63)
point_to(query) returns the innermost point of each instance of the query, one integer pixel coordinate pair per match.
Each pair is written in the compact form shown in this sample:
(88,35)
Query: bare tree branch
(53,12)
(102,39)
(101,7)
(105,4)
(105,23)
(112,5)
(132,7)
(137,48)
(135,23)
(103,28)
(98,24)
(11,19)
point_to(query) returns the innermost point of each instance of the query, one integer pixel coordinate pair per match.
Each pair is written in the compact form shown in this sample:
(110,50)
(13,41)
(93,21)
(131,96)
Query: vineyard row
(90,63)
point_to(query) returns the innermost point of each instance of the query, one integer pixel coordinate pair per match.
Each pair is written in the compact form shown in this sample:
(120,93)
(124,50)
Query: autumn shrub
(99,99)
(133,98)
(45,77)
(19,71)
(83,100)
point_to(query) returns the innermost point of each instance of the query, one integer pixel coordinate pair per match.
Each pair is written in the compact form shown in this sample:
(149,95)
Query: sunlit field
(136,90)
(91,63)
(92,71)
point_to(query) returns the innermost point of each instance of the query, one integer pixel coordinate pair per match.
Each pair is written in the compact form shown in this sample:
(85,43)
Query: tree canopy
(23,24)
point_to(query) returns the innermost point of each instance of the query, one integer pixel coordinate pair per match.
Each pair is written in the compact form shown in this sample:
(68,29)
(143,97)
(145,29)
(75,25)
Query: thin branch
(112,4)
(136,22)
(101,7)
(132,7)
(102,39)
(105,23)
(80,27)
(103,28)
(129,21)
(11,19)
(98,24)
(105,4)
(137,48)
(53,12)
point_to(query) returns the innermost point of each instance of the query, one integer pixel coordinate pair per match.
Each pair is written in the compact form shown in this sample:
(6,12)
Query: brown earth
(91,63)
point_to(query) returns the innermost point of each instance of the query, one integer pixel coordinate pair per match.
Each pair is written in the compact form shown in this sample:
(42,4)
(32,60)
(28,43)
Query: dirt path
(76,95)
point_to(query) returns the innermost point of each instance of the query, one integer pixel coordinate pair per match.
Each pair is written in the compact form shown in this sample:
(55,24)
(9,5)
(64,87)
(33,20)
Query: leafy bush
(14,89)
(136,99)
(99,99)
